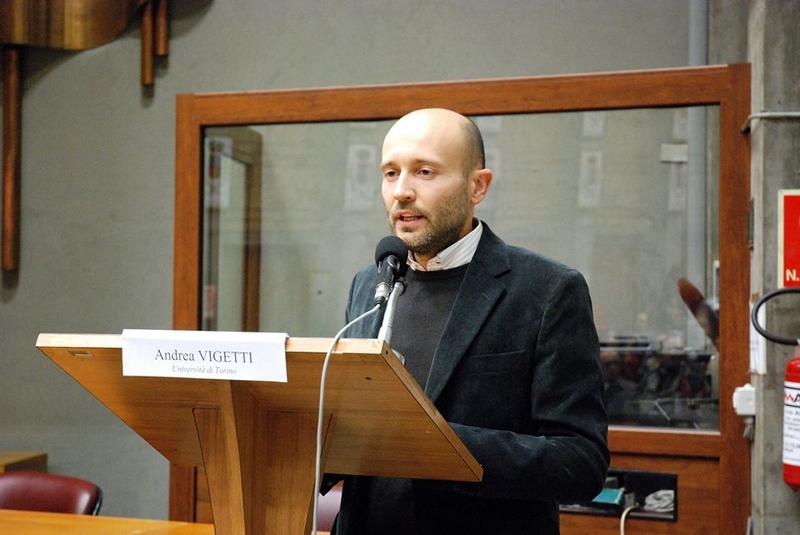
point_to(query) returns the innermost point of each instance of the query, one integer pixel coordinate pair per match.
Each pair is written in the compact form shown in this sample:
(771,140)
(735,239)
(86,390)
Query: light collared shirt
(458,254)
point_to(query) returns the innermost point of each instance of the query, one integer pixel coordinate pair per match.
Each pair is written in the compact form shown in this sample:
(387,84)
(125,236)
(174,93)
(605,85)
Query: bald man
(502,340)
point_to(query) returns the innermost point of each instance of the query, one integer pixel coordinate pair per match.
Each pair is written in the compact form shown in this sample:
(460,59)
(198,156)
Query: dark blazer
(517,376)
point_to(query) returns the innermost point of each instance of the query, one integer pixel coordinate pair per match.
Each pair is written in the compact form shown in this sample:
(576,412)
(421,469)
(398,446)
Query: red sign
(789,238)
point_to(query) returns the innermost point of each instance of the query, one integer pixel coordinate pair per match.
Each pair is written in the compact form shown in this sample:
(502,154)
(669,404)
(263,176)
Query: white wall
(98,166)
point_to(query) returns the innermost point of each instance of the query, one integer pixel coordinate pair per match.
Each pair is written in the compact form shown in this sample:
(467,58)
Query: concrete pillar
(774,52)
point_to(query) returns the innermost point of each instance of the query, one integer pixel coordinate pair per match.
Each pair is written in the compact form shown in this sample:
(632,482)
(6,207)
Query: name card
(241,356)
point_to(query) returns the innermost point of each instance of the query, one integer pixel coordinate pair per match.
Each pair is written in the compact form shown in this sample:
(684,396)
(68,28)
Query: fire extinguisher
(791,397)
(791,424)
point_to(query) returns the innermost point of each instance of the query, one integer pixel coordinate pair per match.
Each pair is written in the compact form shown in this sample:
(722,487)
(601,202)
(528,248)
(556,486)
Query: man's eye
(389,175)
(426,172)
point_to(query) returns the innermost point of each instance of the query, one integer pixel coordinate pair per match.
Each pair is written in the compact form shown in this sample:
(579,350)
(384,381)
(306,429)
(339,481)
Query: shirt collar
(458,254)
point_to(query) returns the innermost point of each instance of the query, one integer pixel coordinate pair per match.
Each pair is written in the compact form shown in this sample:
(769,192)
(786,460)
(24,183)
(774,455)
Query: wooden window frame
(725,86)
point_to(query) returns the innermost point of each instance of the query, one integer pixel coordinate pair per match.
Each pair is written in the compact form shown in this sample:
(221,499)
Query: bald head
(433,176)
(459,130)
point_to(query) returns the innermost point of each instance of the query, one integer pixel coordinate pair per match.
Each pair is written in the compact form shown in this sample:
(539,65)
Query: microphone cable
(320,415)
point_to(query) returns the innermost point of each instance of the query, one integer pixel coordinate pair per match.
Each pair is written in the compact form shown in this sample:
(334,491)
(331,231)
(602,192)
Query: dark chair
(40,491)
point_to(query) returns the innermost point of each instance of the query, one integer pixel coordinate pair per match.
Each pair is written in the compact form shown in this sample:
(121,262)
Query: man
(501,339)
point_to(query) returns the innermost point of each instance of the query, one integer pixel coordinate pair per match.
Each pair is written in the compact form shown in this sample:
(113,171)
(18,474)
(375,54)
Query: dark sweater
(421,315)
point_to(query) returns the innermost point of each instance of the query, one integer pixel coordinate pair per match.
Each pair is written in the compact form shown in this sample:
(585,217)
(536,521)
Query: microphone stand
(388,317)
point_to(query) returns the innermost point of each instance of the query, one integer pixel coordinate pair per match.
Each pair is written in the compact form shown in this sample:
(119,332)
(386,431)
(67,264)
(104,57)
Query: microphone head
(393,246)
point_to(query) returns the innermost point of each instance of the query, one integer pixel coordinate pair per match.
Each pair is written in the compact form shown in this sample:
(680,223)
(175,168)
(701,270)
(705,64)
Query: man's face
(427,197)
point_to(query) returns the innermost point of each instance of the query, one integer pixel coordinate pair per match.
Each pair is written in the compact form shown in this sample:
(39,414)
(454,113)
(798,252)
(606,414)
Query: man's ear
(481,180)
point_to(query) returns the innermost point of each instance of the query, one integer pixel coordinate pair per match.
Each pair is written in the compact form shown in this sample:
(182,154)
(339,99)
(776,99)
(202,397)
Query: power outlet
(655,493)
(645,494)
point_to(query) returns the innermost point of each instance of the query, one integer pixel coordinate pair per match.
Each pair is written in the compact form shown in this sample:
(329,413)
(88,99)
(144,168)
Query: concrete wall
(773,51)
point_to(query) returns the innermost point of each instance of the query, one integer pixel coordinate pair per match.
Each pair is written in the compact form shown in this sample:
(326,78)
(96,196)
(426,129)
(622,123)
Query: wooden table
(23,460)
(36,523)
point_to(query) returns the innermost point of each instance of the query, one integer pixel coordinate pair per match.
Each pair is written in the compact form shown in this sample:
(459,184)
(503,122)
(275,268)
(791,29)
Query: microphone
(391,256)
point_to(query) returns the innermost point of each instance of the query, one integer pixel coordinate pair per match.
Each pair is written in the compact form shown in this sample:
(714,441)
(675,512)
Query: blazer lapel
(478,295)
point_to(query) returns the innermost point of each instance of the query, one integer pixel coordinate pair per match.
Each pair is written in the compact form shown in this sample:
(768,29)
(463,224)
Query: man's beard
(443,230)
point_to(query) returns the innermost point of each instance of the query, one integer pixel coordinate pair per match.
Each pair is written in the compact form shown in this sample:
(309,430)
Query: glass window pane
(628,197)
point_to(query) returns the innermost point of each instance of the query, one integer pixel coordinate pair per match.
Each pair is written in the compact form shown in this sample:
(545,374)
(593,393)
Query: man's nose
(403,190)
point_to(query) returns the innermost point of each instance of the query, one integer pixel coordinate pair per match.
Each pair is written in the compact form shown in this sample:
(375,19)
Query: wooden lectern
(257,440)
